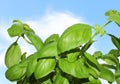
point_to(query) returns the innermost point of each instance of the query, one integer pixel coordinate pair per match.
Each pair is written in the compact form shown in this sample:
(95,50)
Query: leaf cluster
(63,59)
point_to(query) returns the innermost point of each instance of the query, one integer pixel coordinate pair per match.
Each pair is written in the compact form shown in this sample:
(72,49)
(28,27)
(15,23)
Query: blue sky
(53,16)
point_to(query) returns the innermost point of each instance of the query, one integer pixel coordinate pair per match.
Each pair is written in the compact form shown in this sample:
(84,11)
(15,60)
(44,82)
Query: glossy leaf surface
(31,66)
(13,55)
(44,67)
(92,61)
(107,74)
(76,69)
(16,72)
(49,50)
(58,79)
(73,56)
(36,41)
(74,36)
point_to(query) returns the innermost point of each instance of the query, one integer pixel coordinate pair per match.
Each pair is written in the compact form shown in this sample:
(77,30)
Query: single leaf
(13,55)
(94,81)
(44,67)
(76,68)
(49,50)
(115,18)
(115,52)
(92,61)
(111,59)
(98,54)
(73,37)
(31,66)
(52,38)
(111,12)
(23,57)
(87,46)
(73,56)
(106,74)
(36,41)
(58,79)
(113,15)
(115,40)
(94,72)
(117,76)
(16,30)
(16,72)
(47,82)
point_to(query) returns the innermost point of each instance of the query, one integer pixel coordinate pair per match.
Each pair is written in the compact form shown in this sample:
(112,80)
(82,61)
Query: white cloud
(53,22)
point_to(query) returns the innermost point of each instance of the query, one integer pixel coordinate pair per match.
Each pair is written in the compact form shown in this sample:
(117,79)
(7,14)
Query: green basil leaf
(115,52)
(93,81)
(16,72)
(73,37)
(44,67)
(52,38)
(106,74)
(13,55)
(49,50)
(73,56)
(92,61)
(115,40)
(47,82)
(113,15)
(111,59)
(76,68)
(87,46)
(31,66)
(98,54)
(58,79)
(93,70)
(117,76)
(36,41)
(23,57)
(109,66)
(16,30)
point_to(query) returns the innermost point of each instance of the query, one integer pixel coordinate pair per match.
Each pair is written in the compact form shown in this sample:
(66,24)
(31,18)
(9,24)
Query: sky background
(54,16)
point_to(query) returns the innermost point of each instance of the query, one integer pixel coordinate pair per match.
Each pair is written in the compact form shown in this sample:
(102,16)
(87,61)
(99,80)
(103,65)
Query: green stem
(17,39)
(105,24)
(96,33)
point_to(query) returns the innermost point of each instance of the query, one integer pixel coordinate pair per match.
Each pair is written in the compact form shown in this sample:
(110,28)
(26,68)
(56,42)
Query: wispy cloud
(53,22)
